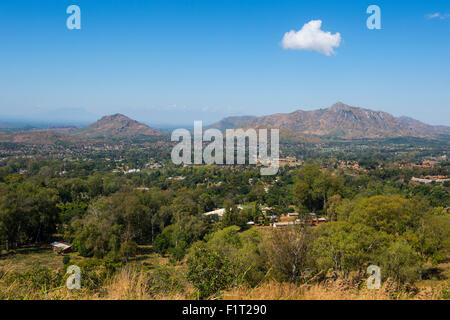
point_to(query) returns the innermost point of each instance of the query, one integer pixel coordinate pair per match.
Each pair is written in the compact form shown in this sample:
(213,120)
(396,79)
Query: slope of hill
(343,121)
(65,129)
(116,126)
(41,137)
(232,122)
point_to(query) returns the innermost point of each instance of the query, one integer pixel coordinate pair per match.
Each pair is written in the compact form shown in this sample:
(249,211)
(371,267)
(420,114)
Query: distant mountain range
(115,126)
(339,121)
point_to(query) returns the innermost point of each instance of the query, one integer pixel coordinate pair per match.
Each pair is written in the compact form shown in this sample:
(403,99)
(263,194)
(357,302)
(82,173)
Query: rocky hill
(116,126)
(340,121)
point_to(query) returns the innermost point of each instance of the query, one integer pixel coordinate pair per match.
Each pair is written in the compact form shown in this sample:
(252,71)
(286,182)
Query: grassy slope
(130,285)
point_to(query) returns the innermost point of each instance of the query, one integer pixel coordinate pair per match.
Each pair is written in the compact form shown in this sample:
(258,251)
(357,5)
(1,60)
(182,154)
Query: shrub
(128,249)
(65,260)
(400,262)
(445,293)
(95,272)
(208,271)
(165,280)
(37,278)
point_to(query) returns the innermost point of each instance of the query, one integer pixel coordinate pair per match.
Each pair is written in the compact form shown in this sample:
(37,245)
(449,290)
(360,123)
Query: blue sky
(174,62)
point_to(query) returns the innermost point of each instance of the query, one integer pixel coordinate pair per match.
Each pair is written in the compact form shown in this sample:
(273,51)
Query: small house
(282,224)
(61,247)
(218,212)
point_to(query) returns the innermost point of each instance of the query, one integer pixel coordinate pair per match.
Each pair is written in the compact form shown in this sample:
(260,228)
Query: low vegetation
(145,235)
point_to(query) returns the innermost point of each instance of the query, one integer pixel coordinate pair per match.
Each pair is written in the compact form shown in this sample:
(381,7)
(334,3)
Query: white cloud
(311,37)
(438,15)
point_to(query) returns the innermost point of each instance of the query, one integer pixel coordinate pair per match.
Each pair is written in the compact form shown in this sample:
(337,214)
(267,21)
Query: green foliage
(375,215)
(95,272)
(400,262)
(128,249)
(113,226)
(445,293)
(431,239)
(314,186)
(163,240)
(390,214)
(37,277)
(400,234)
(175,239)
(209,271)
(333,204)
(27,213)
(233,216)
(345,247)
(228,257)
(66,260)
(166,280)
(71,210)
(288,253)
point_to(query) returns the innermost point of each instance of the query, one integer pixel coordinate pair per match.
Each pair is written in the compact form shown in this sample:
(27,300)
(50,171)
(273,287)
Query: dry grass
(336,290)
(23,258)
(16,290)
(134,285)
(128,284)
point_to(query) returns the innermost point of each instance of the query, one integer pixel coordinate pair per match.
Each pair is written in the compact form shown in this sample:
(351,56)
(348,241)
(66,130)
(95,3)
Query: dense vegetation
(374,216)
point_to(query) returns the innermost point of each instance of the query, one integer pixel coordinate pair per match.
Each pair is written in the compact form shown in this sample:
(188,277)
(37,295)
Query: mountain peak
(116,116)
(117,126)
(344,121)
(340,106)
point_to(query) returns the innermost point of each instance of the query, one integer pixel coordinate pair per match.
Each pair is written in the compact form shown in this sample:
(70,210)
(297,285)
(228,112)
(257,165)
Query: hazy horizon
(173,62)
(50,120)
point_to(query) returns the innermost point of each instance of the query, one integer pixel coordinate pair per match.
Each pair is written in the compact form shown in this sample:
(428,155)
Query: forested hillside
(336,218)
